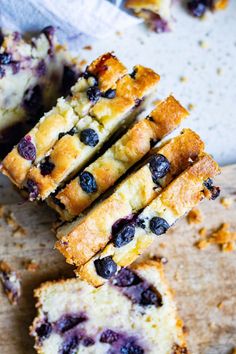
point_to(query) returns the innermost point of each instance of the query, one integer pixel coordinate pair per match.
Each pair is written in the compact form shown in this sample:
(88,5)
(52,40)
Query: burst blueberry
(89,137)
(150,297)
(87,182)
(33,189)
(88,342)
(131,348)
(69,345)
(93,94)
(26,148)
(46,167)
(126,278)
(159,167)
(158,225)
(109,336)
(67,322)
(5,58)
(110,93)
(124,236)
(105,267)
(197,7)
(44,330)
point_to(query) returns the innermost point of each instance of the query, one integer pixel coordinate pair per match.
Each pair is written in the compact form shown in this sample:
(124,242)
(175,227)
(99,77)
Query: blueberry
(208,183)
(70,345)
(41,68)
(44,330)
(32,188)
(69,78)
(5,58)
(150,297)
(159,167)
(126,278)
(133,74)
(105,267)
(131,348)
(32,101)
(26,148)
(93,94)
(46,167)
(49,31)
(109,336)
(158,225)
(87,182)
(215,191)
(137,102)
(89,137)
(110,93)
(88,342)
(124,236)
(2,72)
(67,322)
(197,7)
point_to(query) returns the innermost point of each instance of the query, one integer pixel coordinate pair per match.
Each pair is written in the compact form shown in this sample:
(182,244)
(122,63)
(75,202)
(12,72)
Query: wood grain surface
(204,280)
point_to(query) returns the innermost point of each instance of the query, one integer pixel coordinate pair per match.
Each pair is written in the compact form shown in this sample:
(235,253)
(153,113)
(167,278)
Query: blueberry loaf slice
(33,74)
(72,151)
(129,149)
(156,13)
(62,118)
(132,236)
(83,238)
(134,313)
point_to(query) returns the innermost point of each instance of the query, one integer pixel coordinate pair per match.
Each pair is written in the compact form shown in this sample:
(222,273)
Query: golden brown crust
(92,232)
(142,4)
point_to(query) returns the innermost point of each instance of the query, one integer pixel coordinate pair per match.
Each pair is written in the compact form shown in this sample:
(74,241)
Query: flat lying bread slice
(133,236)
(62,118)
(83,238)
(129,149)
(134,313)
(72,152)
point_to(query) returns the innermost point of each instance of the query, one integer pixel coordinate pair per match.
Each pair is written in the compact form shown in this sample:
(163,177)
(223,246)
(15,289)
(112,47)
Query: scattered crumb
(183,79)
(222,237)
(226,202)
(19,245)
(20,232)
(87,47)
(31,266)
(156,102)
(119,33)
(195,216)
(161,259)
(42,244)
(191,106)
(1,211)
(202,232)
(83,62)
(203,44)
(219,71)
(17,229)
(11,283)
(220,305)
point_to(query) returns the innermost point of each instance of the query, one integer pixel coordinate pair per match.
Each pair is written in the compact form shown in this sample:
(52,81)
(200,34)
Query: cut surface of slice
(133,313)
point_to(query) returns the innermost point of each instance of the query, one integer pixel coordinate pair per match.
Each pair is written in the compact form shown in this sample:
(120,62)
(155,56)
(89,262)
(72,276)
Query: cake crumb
(31,265)
(183,79)
(11,283)
(87,47)
(195,216)
(222,237)
(219,71)
(203,44)
(191,106)
(119,33)
(17,229)
(82,62)
(202,232)
(220,305)
(226,202)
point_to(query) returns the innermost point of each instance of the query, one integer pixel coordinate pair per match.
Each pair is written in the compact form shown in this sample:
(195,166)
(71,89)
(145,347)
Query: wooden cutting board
(204,280)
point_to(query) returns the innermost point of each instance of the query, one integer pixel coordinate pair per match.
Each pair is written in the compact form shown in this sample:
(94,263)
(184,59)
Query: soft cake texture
(155,328)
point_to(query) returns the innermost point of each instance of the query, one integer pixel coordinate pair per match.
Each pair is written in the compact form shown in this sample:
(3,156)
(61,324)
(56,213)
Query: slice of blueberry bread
(156,13)
(62,118)
(109,167)
(33,74)
(134,313)
(83,238)
(132,236)
(72,151)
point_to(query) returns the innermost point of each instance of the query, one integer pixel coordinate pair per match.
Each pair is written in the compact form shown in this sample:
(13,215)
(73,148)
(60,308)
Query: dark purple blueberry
(41,68)
(32,101)
(150,297)
(141,223)
(110,93)
(159,167)
(137,102)
(89,137)
(105,267)
(67,322)
(197,8)
(133,74)
(125,278)
(70,345)
(109,336)
(69,78)
(208,183)
(33,189)
(88,342)
(49,31)
(44,330)
(26,148)
(87,182)
(93,94)
(124,236)
(5,58)
(215,191)
(15,65)
(46,167)
(2,72)
(71,132)
(131,348)
(158,225)
(120,223)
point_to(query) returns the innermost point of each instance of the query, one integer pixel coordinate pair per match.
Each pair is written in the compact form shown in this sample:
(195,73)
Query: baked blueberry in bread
(83,238)
(59,123)
(71,152)
(198,8)
(177,199)
(134,313)
(156,13)
(109,167)
(33,74)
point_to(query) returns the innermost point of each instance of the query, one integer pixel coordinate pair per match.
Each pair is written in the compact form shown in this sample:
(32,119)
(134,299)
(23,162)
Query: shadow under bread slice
(106,117)
(109,167)
(83,238)
(62,118)
(136,235)
(133,313)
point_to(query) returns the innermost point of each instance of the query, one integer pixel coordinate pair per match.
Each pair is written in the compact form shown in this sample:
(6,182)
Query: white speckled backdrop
(203,52)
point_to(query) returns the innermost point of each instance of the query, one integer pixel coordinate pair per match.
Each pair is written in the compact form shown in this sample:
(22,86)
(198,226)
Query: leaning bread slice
(62,118)
(135,235)
(133,313)
(129,149)
(83,238)
(72,152)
